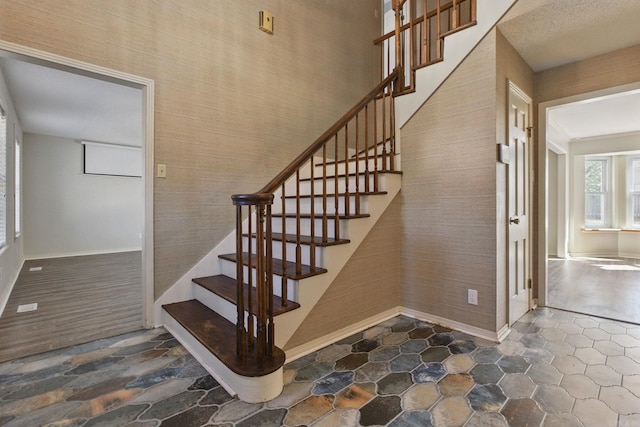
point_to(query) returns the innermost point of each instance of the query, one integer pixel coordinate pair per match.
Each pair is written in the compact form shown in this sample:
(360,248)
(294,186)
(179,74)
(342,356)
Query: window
(3,177)
(18,185)
(634,192)
(596,192)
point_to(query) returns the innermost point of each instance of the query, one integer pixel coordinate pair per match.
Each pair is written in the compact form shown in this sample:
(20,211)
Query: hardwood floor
(605,287)
(79,299)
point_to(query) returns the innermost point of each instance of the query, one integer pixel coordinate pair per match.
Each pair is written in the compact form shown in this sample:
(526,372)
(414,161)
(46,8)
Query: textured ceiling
(549,33)
(59,103)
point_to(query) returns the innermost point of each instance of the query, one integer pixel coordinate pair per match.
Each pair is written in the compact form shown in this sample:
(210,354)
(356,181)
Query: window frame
(17,185)
(605,192)
(631,192)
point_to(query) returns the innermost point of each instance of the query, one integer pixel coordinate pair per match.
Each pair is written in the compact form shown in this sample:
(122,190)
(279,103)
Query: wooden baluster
(325,226)
(241,332)
(357,192)
(336,220)
(347,207)
(392,134)
(375,145)
(312,246)
(298,226)
(438,31)
(260,287)
(455,16)
(283,292)
(366,148)
(384,133)
(426,52)
(269,289)
(250,290)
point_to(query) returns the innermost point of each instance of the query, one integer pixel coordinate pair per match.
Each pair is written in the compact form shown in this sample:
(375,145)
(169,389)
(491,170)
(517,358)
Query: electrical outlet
(472,297)
(162,171)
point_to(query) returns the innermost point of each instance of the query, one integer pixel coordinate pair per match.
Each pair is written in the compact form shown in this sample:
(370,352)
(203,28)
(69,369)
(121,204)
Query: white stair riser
(342,167)
(224,308)
(305,205)
(228,268)
(291,251)
(305,227)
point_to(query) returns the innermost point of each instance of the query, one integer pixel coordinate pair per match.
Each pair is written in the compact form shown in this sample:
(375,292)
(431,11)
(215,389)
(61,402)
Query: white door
(519,246)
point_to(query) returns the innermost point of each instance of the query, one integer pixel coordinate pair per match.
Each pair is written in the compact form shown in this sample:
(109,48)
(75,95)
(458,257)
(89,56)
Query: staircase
(294,236)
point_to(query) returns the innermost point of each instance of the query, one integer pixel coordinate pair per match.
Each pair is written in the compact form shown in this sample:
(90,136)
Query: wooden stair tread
(225,287)
(330,196)
(361,173)
(320,216)
(306,240)
(277,268)
(218,335)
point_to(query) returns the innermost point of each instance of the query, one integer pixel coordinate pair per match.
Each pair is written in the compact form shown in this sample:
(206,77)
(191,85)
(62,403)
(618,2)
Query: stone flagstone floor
(555,369)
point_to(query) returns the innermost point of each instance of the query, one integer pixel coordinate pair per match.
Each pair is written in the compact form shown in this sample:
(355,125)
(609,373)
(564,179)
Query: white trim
(4,298)
(333,337)
(318,343)
(457,326)
(147,86)
(82,253)
(541,174)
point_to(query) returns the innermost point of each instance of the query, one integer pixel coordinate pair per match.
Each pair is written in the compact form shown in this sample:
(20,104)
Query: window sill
(609,230)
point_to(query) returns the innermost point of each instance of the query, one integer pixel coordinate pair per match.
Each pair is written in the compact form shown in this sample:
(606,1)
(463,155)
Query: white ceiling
(52,102)
(551,33)
(546,33)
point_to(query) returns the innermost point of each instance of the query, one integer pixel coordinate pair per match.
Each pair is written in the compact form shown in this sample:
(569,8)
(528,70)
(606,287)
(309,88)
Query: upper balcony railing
(418,37)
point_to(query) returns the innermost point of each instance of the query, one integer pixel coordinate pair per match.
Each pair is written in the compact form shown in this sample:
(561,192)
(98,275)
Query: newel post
(258,214)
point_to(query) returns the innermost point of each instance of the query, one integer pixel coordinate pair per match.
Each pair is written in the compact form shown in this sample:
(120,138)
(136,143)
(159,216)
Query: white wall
(70,213)
(11,255)
(552,203)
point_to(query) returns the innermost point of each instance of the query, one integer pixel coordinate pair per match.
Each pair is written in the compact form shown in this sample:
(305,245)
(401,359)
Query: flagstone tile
(380,410)
(594,413)
(517,386)
(309,410)
(355,396)
(420,396)
(522,412)
(269,417)
(451,412)
(553,399)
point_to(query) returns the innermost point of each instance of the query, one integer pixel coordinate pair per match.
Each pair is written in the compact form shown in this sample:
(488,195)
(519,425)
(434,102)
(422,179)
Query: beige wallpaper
(448,199)
(233,104)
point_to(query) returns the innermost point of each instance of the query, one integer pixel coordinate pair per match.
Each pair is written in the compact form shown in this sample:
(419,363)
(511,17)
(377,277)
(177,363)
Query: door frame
(542,177)
(147,87)
(511,86)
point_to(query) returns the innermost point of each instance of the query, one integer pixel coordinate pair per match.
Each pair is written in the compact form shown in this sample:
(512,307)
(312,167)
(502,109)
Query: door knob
(514,220)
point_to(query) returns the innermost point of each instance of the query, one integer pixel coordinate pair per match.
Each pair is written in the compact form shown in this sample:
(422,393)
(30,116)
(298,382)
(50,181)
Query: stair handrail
(377,157)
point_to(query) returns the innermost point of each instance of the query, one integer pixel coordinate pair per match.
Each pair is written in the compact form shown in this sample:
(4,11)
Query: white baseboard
(318,343)
(458,326)
(81,253)
(6,293)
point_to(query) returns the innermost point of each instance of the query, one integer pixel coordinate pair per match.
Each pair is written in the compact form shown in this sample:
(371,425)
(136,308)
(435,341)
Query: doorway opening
(140,232)
(589,233)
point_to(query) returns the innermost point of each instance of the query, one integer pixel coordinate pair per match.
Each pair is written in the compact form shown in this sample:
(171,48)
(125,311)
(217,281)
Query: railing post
(262,313)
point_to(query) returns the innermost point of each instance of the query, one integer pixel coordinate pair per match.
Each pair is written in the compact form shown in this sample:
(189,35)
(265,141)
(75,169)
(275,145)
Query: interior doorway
(146,90)
(587,239)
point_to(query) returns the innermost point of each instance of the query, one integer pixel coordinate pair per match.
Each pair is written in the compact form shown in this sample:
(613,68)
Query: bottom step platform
(212,340)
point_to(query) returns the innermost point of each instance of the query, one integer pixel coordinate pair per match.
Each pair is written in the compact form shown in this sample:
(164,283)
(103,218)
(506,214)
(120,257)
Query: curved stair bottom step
(248,389)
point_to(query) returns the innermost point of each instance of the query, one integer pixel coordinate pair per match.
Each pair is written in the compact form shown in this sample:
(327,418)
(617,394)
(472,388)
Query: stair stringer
(311,289)
(457,47)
